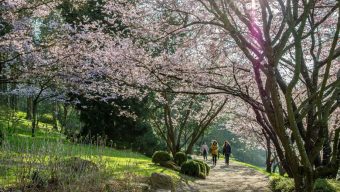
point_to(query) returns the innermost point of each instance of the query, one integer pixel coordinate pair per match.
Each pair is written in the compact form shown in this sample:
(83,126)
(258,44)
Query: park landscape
(120,95)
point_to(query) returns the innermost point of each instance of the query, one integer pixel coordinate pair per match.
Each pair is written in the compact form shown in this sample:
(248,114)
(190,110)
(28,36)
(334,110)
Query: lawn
(21,154)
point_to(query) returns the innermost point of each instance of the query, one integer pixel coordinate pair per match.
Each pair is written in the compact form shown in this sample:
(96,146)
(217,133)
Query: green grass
(21,150)
(259,169)
(284,183)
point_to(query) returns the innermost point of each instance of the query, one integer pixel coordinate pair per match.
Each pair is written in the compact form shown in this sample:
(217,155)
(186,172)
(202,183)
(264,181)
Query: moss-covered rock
(171,165)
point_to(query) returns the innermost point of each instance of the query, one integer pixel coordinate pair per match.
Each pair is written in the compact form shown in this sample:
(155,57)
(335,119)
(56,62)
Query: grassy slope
(49,144)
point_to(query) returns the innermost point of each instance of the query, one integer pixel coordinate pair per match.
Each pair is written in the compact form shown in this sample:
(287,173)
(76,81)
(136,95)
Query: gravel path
(235,177)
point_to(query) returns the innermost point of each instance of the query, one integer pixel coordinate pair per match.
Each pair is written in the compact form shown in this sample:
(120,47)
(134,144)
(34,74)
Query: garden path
(232,178)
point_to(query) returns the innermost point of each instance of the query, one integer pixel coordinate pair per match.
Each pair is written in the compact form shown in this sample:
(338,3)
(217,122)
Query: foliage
(1,136)
(183,119)
(241,150)
(49,151)
(46,118)
(204,167)
(285,184)
(118,121)
(78,165)
(323,185)
(191,168)
(148,143)
(160,156)
(281,184)
(180,158)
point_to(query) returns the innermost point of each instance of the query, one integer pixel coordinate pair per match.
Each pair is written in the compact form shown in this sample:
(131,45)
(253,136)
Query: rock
(171,165)
(141,186)
(161,181)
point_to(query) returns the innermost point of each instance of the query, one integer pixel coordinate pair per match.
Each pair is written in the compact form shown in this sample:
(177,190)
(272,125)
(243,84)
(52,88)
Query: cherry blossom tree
(290,49)
(280,57)
(181,120)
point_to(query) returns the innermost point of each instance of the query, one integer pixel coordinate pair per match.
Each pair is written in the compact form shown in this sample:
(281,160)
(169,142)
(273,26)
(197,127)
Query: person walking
(226,152)
(214,151)
(204,151)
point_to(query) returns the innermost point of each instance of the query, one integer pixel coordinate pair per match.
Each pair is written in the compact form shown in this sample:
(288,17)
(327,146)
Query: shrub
(207,168)
(189,157)
(161,156)
(180,158)
(38,180)
(203,169)
(191,168)
(281,184)
(321,185)
(46,118)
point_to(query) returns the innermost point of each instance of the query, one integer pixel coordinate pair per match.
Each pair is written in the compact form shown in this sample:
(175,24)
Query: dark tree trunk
(55,116)
(34,117)
(13,100)
(269,154)
(29,108)
(326,152)
(189,149)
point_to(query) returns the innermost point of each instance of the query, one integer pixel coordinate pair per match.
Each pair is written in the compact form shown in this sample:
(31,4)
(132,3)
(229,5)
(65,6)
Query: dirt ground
(235,177)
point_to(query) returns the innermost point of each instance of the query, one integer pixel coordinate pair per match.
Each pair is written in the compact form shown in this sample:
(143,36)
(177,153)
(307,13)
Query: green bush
(191,168)
(160,156)
(281,184)
(321,185)
(46,118)
(207,168)
(189,157)
(180,158)
(203,168)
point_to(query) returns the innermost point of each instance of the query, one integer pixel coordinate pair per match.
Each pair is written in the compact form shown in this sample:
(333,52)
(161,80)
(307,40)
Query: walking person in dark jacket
(226,152)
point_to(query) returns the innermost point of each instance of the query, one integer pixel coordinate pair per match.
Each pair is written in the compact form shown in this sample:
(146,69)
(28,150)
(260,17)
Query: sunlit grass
(22,152)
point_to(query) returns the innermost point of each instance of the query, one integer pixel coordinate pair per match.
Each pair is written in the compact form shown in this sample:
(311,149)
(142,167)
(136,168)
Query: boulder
(171,165)
(161,181)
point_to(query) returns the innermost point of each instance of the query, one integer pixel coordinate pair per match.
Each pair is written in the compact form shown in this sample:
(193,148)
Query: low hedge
(180,158)
(203,167)
(191,168)
(160,156)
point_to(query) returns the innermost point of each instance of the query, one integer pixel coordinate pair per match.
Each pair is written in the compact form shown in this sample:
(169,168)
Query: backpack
(205,151)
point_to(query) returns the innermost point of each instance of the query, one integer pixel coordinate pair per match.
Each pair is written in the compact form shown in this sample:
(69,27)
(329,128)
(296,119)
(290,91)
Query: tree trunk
(55,116)
(29,108)
(13,99)
(269,154)
(303,181)
(326,152)
(189,148)
(34,117)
